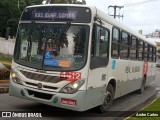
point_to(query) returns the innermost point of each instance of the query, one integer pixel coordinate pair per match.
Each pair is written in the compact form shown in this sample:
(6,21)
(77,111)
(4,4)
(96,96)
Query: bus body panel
(128,74)
(22,92)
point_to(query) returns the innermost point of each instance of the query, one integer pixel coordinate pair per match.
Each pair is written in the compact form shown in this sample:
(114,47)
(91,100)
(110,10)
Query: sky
(138,14)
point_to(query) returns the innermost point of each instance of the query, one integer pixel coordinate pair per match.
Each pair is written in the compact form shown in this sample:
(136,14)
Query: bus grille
(44,86)
(40,95)
(41,77)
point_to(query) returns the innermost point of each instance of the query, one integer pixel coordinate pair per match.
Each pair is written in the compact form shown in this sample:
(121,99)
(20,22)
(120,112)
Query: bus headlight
(72,87)
(15,77)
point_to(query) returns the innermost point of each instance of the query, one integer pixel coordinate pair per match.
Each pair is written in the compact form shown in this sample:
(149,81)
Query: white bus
(77,57)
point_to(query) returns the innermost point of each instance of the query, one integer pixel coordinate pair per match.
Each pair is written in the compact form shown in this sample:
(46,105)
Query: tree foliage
(10,12)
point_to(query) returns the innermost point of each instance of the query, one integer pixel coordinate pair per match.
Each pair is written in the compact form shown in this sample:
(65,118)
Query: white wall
(7,46)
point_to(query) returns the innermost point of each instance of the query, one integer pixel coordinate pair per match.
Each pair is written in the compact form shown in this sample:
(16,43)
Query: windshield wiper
(30,41)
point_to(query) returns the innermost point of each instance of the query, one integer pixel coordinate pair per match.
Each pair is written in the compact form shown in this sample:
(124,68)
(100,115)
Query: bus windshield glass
(55,47)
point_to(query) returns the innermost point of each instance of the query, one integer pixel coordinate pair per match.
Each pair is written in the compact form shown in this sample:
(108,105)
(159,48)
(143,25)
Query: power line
(139,3)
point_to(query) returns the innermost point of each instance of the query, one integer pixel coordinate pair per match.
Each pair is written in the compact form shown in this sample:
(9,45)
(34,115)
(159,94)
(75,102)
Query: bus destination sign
(70,15)
(58,13)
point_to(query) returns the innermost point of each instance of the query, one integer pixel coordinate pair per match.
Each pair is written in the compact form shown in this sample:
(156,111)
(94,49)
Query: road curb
(145,102)
(141,105)
(133,103)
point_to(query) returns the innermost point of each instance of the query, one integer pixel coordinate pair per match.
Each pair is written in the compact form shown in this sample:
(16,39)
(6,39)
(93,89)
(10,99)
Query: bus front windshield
(55,47)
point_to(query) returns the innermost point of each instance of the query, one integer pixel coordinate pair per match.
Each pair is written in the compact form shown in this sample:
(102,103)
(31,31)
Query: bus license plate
(68,102)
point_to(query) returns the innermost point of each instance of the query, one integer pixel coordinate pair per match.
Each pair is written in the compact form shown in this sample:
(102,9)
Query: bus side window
(140,50)
(124,45)
(115,43)
(145,51)
(154,54)
(100,47)
(103,43)
(150,53)
(133,48)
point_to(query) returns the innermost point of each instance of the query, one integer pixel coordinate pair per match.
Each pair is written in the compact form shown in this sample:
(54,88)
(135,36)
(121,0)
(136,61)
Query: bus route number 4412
(71,75)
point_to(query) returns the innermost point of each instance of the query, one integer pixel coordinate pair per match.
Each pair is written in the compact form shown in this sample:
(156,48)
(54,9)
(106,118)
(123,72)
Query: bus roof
(102,15)
(73,5)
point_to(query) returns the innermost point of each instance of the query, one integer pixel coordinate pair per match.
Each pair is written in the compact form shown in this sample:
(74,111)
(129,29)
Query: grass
(3,59)
(149,110)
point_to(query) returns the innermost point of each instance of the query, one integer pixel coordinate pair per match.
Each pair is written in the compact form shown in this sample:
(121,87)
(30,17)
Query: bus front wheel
(108,99)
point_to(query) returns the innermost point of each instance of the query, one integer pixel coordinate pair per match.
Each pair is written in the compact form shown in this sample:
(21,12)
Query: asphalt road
(121,107)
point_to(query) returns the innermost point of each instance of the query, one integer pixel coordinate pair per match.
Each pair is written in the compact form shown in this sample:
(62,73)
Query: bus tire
(108,99)
(141,90)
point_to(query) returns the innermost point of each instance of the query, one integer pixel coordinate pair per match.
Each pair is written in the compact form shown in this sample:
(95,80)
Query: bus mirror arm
(7,33)
(96,18)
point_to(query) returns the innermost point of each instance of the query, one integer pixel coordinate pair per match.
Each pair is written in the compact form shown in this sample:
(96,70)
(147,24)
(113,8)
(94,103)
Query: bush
(4,74)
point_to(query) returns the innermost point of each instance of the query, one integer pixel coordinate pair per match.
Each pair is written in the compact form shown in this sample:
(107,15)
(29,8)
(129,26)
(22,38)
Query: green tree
(10,11)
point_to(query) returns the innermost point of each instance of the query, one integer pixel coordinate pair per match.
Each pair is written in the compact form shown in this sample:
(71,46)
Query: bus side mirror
(7,33)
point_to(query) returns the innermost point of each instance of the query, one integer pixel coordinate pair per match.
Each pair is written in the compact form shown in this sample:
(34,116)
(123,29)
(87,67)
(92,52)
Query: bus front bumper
(68,101)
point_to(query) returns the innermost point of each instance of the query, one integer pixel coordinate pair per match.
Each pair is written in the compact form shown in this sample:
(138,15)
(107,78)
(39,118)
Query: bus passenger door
(98,66)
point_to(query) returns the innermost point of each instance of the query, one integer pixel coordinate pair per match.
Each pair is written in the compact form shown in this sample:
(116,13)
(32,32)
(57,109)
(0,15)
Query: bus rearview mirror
(7,33)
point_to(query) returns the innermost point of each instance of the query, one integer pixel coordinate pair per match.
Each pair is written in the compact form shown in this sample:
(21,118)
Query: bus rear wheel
(108,99)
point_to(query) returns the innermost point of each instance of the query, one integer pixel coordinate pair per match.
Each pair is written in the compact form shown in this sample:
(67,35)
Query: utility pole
(115,10)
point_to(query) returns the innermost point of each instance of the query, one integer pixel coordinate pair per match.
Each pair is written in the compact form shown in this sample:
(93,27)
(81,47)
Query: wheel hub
(107,98)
